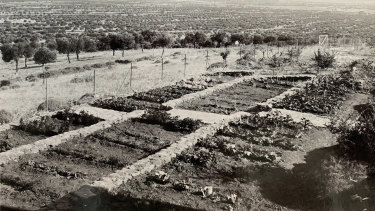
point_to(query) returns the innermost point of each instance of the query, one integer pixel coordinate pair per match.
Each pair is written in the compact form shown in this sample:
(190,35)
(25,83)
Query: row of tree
(27,48)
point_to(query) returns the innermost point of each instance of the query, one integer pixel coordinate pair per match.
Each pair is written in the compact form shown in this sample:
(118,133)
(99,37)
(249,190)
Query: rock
(86,99)
(53,105)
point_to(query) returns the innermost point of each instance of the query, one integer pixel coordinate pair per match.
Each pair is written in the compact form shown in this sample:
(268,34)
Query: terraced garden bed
(153,98)
(322,96)
(38,179)
(30,131)
(223,172)
(239,97)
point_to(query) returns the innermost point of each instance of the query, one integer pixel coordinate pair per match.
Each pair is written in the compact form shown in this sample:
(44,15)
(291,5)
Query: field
(281,125)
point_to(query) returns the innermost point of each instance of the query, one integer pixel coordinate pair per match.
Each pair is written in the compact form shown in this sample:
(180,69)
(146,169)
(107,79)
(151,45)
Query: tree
(257,39)
(225,55)
(64,47)
(115,42)
(28,52)
(11,52)
(51,44)
(219,37)
(78,45)
(163,41)
(44,55)
(200,38)
(270,39)
(89,44)
(237,37)
(126,42)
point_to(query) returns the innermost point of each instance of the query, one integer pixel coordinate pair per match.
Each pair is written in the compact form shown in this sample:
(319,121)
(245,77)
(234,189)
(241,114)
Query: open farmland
(187,105)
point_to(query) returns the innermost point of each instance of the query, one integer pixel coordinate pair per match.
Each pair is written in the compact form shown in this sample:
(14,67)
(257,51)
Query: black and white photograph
(187,105)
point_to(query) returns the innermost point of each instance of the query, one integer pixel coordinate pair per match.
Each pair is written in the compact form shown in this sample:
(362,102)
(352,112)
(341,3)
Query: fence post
(207,60)
(131,73)
(44,70)
(185,67)
(162,67)
(94,81)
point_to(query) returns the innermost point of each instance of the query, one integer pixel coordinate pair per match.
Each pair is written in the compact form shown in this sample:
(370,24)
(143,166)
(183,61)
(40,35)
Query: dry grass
(114,79)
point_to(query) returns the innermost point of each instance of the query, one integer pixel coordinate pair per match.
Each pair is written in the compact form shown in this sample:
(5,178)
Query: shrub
(122,61)
(358,140)
(324,60)
(4,83)
(31,78)
(169,123)
(98,65)
(5,117)
(86,67)
(217,65)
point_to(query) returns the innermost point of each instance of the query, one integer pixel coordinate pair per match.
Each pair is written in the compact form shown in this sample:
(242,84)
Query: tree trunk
(123,52)
(68,57)
(77,53)
(113,52)
(142,48)
(25,62)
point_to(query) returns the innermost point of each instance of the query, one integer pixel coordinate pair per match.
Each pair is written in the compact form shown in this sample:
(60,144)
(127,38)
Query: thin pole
(44,69)
(131,73)
(94,81)
(162,67)
(185,66)
(207,60)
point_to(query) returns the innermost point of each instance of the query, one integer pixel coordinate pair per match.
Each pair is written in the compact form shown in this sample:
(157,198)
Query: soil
(30,132)
(12,138)
(240,97)
(39,179)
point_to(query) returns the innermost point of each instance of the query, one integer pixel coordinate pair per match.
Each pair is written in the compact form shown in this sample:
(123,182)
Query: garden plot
(39,179)
(153,99)
(40,128)
(227,171)
(322,96)
(239,97)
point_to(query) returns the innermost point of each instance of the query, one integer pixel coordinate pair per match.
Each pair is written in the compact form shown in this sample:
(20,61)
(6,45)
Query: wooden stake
(162,67)
(185,66)
(131,73)
(46,88)
(94,81)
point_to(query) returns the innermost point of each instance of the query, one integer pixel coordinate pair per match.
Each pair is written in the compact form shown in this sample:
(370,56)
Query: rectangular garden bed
(153,99)
(41,178)
(222,172)
(31,131)
(322,96)
(239,97)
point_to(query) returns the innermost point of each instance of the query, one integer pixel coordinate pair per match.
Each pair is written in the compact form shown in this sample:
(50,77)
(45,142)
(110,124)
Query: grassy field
(22,97)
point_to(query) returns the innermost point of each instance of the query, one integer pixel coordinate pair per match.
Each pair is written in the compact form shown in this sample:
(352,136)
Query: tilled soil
(12,138)
(38,179)
(239,97)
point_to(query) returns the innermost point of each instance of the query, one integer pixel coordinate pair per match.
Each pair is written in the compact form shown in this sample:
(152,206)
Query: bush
(86,67)
(4,83)
(324,60)
(31,78)
(217,65)
(169,123)
(5,117)
(122,61)
(98,65)
(357,141)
